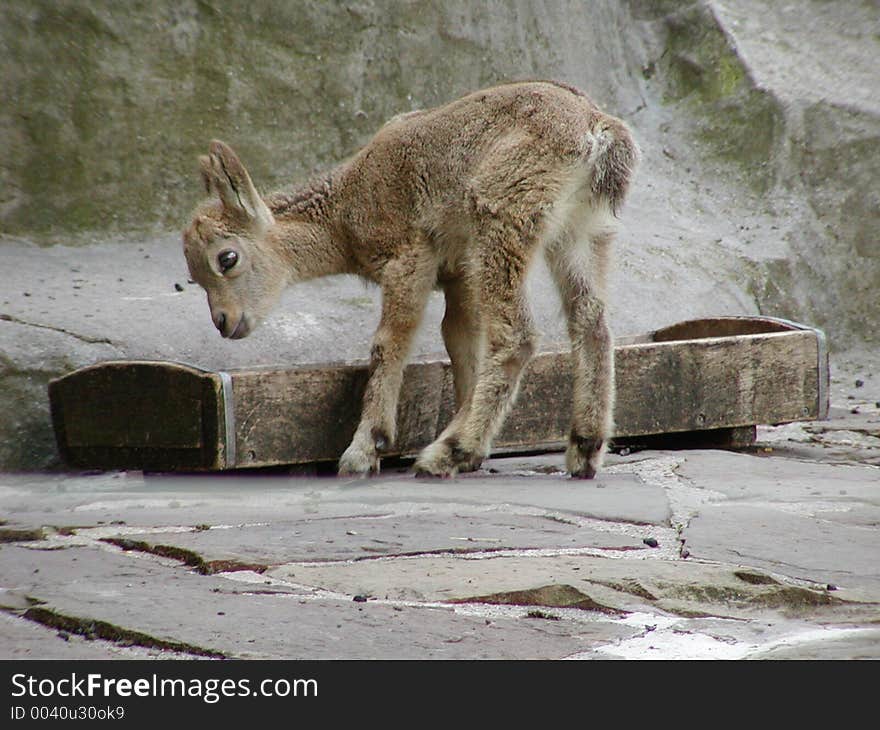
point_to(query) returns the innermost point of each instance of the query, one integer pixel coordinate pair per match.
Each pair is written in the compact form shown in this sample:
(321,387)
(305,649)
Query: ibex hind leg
(509,344)
(461,335)
(577,259)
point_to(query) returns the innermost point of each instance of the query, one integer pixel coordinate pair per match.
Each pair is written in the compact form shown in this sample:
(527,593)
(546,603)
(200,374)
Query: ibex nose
(220,322)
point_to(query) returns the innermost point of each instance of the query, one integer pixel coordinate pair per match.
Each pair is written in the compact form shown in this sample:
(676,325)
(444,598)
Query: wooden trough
(711,379)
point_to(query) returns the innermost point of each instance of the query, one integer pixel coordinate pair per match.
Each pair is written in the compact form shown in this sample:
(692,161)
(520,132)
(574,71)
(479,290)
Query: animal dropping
(462,197)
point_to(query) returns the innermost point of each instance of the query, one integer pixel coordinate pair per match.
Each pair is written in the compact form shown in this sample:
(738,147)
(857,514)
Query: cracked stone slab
(253,620)
(666,638)
(682,609)
(809,520)
(750,477)
(363,537)
(628,583)
(406,610)
(797,545)
(847,437)
(852,644)
(23,639)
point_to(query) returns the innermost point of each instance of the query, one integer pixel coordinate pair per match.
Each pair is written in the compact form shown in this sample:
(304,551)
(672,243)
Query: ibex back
(460,197)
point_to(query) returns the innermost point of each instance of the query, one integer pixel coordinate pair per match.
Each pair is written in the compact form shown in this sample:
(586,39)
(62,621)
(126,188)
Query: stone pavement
(770,553)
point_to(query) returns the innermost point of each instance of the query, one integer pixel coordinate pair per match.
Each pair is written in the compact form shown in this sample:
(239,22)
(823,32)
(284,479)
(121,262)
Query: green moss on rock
(736,122)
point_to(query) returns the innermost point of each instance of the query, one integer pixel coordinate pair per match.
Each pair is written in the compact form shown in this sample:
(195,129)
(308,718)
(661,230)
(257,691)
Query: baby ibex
(461,197)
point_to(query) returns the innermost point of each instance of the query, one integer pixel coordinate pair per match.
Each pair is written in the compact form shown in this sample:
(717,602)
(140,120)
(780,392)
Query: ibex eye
(227,259)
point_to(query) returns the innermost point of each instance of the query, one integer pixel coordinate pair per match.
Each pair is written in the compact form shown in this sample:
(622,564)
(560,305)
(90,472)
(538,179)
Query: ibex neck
(304,230)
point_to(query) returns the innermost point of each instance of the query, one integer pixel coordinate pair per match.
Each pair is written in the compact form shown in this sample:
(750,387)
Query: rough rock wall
(108,103)
(765,115)
(775,119)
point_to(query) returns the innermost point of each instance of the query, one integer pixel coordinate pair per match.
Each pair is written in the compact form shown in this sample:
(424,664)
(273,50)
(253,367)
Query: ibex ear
(224,175)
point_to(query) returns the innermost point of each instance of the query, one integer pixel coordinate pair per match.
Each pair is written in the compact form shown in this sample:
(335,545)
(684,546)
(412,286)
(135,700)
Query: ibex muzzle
(460,197)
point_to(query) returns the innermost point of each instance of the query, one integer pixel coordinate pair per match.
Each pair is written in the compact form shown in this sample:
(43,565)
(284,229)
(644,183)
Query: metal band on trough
(228,419)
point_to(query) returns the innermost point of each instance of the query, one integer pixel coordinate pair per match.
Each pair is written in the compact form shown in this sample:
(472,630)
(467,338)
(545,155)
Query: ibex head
(228,246)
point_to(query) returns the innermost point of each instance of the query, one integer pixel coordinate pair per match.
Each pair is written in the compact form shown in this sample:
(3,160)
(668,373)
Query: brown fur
(461,197)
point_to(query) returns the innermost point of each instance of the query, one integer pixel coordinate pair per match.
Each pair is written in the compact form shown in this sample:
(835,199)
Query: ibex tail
(613,156)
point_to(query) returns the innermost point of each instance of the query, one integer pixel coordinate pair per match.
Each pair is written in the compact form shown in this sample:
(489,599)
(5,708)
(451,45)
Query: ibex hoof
(584,456)
(358,463)
(445,459)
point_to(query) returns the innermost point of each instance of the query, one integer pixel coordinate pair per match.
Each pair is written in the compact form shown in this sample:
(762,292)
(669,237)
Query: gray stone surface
(370,536)
(71,500)
(808,545)
(859,644)
(758,555)
(822,519)
(779,483)
(247,620)
(22,639)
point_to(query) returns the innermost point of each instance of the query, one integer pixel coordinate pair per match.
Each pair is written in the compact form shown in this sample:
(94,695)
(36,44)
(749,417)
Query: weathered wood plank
(167,416)
(118,414)
(689,385)
(304,414)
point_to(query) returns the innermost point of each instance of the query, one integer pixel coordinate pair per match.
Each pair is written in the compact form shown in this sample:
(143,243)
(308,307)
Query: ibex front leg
(406,283)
